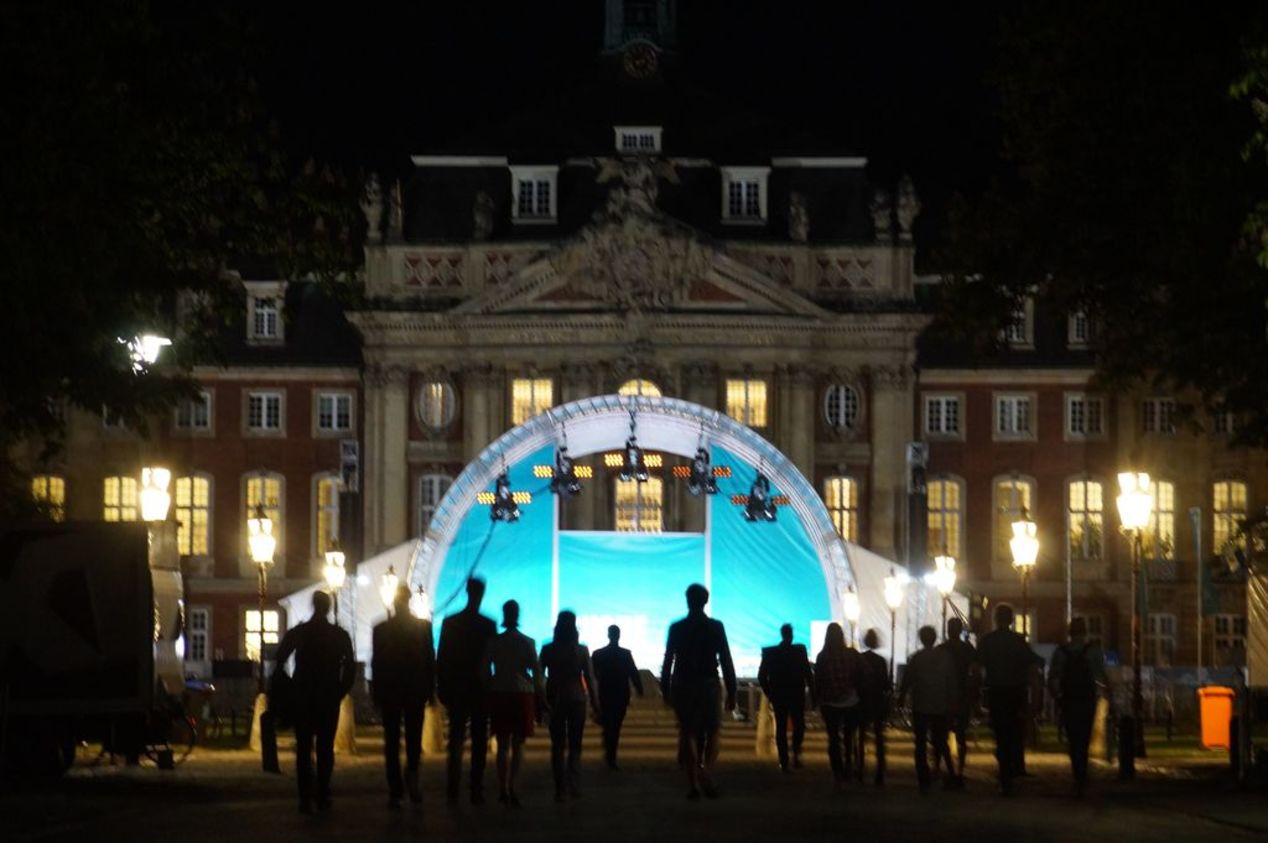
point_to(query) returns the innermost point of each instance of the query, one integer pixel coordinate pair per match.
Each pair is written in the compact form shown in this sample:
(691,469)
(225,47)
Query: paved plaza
(221,795)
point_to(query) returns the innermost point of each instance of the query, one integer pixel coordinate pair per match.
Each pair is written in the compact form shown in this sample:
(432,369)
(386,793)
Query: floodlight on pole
(155,499)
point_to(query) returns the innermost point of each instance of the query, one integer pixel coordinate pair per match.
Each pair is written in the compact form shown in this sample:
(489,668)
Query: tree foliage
(138,164)
(1126,194)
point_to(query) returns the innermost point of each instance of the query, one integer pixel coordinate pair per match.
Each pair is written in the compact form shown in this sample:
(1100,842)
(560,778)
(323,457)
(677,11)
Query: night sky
(905,83)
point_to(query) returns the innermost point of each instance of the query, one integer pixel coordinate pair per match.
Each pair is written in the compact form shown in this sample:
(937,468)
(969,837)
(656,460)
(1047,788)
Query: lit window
(1158,415)
(264,411)
(530,397)
(1160,639)
(1230,637)
(942,415)
(746,401)
(1078,329)
(1095,628)
(436,405)
(327,521)
(264,318)
(640,506)
(1024,623)
(1085,519)
(265,489)
(1014,416)
(251,631)
(1228,506)
(841,496)
(744,193)
(431,490)
(533,190)
(638,140)
(119,495)
(334,412)
(1013,496)
(841,406)
(193,515)
(49,491)
(639,386)
(194,413)
(1160,539)
(945,512)
(1224,422)
(197,634)
(1084,415)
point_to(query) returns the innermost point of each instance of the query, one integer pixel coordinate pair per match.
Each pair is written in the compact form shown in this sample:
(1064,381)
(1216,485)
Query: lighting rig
(634,466)
(504,504)
(760,504)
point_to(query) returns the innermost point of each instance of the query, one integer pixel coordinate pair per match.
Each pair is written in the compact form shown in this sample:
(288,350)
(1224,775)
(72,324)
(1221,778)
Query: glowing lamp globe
(420,605)
(893,591)
(1025,543)
(388,584)
(260,537)
(155,499)
(850,605)
(944,574)
(334,571)
(1135,500)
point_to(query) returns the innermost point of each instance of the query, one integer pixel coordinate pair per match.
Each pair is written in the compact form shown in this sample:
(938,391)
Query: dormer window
(744,194)
(264,311)
(1020,330)
(638,140)
(533,192)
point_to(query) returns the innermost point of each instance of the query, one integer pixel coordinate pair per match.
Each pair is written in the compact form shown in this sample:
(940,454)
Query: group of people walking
(486,679)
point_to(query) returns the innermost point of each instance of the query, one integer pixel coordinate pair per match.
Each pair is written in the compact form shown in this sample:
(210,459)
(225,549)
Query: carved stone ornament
(386,374)
(633,257)
(798,218)
(396,215)
(908,206)
(883,215)
(482,216)
(372,208)
(891,377)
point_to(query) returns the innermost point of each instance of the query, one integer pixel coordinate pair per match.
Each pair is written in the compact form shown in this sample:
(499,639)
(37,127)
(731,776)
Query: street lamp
(944,579)
(893,599)
(1025,547)
(155,499)
(388,584)
(335,573)
(419,605)
(262,542)
(851,609)
(144,350)
(1135,503)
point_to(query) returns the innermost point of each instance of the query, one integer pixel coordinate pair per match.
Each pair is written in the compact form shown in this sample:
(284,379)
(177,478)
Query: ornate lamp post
(1135,503)
(850,608)
(262,542)
(1025,547)
(420,605)
(893,599)
(335,573)
(944,579)
(388,584)
(155,499)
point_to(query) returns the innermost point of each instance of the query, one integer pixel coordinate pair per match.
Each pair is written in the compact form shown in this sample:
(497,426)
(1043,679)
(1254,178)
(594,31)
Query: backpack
(1076,676)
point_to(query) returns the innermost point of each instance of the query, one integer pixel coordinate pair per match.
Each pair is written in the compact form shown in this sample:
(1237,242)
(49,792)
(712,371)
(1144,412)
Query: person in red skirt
(514,686)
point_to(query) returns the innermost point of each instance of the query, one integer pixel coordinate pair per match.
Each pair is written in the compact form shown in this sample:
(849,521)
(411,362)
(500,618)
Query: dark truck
(90,620)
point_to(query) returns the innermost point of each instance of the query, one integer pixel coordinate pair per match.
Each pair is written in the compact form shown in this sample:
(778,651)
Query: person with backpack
(835,690)
(1076,679)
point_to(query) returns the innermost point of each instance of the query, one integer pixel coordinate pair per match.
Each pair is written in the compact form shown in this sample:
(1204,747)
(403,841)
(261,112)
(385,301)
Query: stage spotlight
(565,482)
(634,467)
(701,481)
(760,506)
(504,507)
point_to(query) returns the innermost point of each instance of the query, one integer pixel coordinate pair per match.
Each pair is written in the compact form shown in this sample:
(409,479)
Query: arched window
(192,501)
(436,404)
(841,406)
(1085,518)
(119,499)
(326,514)
(1160,538)
(431,488)
(1012,495)
(49,491)
(531,397)
(639,386)
(841,496)
(640,507)
(946,511)
(1228,508)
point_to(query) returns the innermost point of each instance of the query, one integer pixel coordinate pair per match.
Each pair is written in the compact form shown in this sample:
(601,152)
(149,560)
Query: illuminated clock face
(640,61)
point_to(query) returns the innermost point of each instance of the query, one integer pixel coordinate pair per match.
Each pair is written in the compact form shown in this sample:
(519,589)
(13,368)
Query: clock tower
(639,32)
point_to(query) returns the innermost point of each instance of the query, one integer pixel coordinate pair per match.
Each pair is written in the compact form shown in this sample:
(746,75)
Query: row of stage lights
(566,476)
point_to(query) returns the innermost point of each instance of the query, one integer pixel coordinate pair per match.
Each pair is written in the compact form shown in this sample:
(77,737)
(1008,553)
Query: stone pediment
(634,258)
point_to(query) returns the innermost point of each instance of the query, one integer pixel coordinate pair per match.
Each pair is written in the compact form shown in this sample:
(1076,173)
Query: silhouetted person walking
(514,686)
(1076,680)
(695,648)
(614,669)
(569,683)
(784,674)
(874,690)
(838,669)
(403,671)
(324,672)
(964,655)
(464,638)
(930,679)
(1007,663)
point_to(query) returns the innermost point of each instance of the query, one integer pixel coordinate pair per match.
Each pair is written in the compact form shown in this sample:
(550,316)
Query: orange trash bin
(1215,707)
